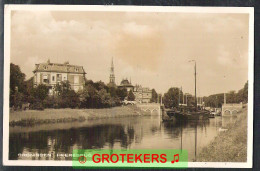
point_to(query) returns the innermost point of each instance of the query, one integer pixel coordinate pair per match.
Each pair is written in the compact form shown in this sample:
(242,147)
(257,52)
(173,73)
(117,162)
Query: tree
(121,93)
(131,96)
(16,84)
(16,78)
(171,98)
(215,100)
(239,96)
(72,99)
(112,91)
(154,96)
(105,98)
(40,92)
(66,96)
(245,93)
(190,100)
(90,97)
(231,97)
(100,85)
(28,94)
(62,88)
(18,100)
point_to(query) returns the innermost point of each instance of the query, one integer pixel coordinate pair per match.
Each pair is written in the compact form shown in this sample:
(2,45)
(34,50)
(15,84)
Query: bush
(50,102)
(37,106)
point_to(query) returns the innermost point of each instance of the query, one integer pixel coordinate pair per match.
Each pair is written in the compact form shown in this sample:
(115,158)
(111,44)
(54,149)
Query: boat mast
(181,134)
(195,73)
(196,140)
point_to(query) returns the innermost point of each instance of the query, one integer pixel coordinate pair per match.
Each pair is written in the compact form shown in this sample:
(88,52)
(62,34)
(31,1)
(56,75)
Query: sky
(153,49)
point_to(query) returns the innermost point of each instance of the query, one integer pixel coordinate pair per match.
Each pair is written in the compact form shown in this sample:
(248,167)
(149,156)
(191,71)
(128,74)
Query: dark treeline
(174,96)
(171,98)
(155,97)
(93,95)
(217,100)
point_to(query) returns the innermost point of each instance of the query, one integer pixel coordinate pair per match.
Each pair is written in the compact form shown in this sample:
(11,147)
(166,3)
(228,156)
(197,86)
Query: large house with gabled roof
(51,74)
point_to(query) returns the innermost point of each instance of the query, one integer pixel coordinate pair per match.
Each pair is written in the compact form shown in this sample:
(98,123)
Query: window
(64,78)
(45,79)
(59,77)
(53,78)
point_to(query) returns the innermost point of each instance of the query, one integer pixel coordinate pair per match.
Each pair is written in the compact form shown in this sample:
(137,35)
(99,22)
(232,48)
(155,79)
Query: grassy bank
(228,146)
(32,117)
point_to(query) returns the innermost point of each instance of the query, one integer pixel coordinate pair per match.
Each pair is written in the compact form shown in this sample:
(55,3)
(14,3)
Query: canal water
(143,132)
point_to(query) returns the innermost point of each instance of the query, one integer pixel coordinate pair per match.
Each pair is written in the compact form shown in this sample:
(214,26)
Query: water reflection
(59,141)
(134,133)
(175,129)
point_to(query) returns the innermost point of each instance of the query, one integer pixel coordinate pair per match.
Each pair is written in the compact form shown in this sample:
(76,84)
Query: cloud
(41,35)
(151,48)
(140,45)
(224,57)
(134,29)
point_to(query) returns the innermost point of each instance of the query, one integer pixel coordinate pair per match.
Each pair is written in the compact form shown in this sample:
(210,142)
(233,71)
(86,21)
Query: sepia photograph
(117,77)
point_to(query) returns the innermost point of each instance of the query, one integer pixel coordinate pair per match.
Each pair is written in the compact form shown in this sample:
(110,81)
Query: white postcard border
(7,28)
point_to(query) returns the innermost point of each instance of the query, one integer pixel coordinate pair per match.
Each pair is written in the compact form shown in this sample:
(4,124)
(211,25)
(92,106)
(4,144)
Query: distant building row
(142,94)
(52,73)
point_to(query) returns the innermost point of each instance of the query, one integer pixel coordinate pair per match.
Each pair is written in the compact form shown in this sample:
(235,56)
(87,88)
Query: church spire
(112,74)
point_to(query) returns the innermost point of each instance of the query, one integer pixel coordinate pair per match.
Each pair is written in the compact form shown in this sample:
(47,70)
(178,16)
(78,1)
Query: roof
(125,83)
(55,67)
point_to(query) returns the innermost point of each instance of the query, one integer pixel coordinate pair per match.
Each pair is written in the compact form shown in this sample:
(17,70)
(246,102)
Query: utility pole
(182,97)
(195,87)
(179,97)
(186,100)
(216,101)
(195,75)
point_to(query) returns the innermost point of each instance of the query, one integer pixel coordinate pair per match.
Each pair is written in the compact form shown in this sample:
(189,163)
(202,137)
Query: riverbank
(33,117)
(230,145)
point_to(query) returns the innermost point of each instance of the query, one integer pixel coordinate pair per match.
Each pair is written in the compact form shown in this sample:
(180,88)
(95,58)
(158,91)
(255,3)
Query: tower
(112,74)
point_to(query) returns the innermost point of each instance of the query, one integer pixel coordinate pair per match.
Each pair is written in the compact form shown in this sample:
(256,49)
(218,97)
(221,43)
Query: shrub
(37,106)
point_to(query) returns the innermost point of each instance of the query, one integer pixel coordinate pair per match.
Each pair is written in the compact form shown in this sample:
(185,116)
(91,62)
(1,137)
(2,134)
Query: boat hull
(199,115)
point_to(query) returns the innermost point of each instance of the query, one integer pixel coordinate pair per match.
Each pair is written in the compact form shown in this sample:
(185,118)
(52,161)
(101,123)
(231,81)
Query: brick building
(52,73)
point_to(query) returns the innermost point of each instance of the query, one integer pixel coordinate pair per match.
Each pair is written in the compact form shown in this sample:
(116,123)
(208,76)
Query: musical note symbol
(176,160)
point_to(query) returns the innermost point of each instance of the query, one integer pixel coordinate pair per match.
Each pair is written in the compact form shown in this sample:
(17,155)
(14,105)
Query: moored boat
(188,114)
(197,115)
